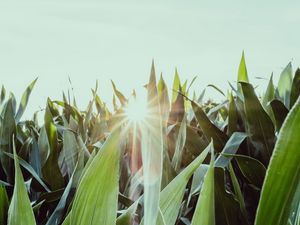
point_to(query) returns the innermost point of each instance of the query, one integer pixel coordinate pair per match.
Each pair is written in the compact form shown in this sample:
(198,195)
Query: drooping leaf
(97,193)
(252,169)
(283,173)
(216,88)
(210,130)
(29,168)
(231,147)
(20,211)
(260,127)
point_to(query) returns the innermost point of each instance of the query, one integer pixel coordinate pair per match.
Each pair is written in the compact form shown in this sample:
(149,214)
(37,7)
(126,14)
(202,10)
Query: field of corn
(172,158)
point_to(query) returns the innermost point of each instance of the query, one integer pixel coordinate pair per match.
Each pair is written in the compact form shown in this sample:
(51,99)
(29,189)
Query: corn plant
(170,159)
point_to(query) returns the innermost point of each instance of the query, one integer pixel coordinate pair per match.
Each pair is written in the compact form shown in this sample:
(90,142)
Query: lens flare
(136,111)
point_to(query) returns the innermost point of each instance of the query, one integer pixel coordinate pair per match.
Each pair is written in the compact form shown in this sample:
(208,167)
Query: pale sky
(90,40)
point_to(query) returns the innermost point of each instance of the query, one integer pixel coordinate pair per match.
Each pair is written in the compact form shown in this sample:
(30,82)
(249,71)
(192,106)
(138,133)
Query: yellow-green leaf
(96,198)
(205,209)
(20,211)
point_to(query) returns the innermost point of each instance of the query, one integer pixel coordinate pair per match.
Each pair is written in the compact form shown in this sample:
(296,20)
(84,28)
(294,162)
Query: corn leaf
(295,90)
(152,153)
(284,85)
(205,209)
(268,97)
(20,211)
(283,173)
(210,130)
(260,127)
(279,111)
(172,194)
(97,193)
(242,73)
(24,100)
(3,205)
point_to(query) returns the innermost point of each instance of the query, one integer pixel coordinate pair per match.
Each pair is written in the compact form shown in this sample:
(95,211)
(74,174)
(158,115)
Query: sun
(136,110)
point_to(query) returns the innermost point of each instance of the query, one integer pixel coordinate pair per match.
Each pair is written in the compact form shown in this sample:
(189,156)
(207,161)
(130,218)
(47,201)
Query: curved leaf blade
(283,173)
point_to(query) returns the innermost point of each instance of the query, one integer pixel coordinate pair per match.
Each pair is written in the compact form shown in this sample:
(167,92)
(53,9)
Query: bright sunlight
(137,110)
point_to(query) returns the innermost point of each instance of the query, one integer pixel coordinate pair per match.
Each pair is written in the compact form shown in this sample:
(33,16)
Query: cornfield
(176,159)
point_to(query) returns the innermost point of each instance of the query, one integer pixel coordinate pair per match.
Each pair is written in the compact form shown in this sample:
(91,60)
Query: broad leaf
(97,193)
(20,211)
(260,127)
(283,173)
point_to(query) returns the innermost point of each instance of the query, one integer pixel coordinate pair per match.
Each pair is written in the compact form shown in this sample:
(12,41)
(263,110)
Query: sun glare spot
(136,110)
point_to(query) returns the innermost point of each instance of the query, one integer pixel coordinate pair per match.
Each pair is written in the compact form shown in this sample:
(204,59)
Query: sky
(103,40)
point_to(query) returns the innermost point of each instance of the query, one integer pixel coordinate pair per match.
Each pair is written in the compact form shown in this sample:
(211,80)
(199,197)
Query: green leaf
(51,171)
(180,142)
(232,116)
(120,96)
(3,94)
(228,210)
(96,197)
(176,86)
(295,90)
(252,169)
(172,194)
(127,217)
(7,128)
(20,211)
(163,100)
(205,209)
(3,205)
(24,100)
(152,153)
(237,190)
(70,150)
(57,214)
(216,88)
(210,130)
(231,147)
(242,73)
(283,173)
(280,112)
(260,127)
(284,85)
(268,97)
(29,168)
